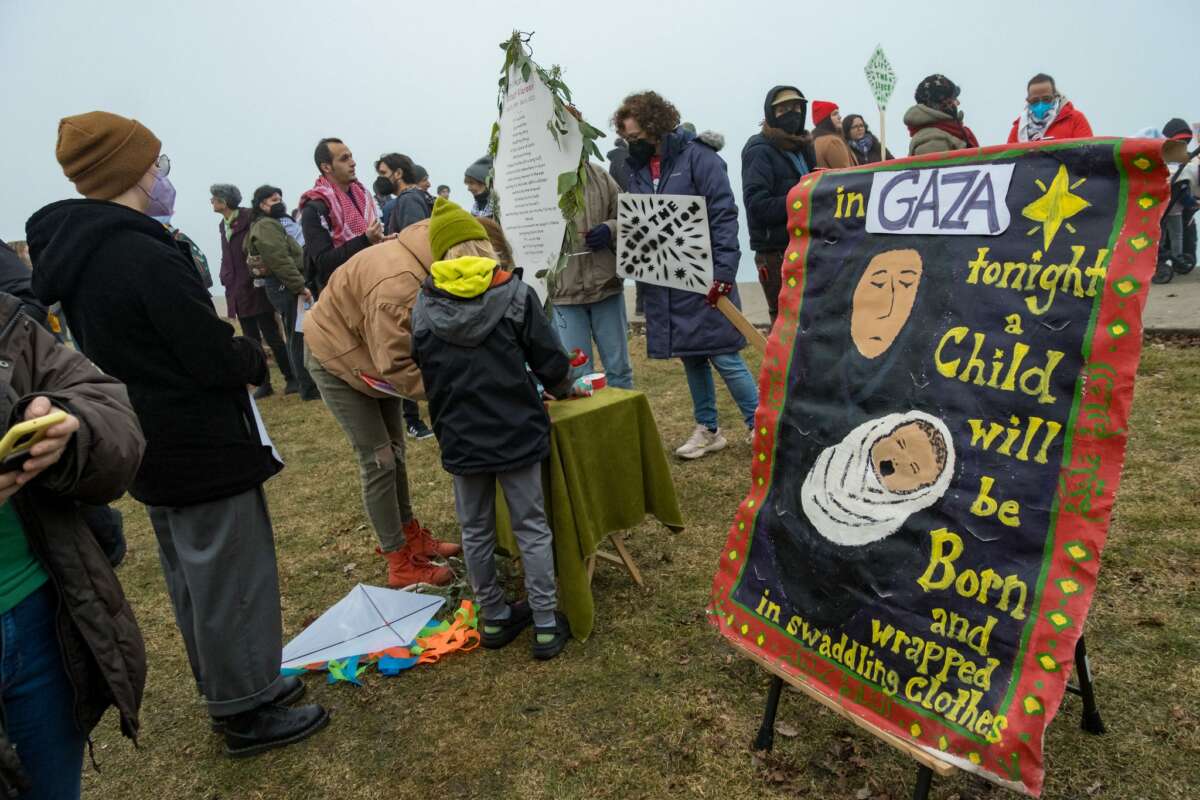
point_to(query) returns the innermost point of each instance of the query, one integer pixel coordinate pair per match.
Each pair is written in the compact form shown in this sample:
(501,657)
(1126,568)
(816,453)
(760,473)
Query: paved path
(1173,307)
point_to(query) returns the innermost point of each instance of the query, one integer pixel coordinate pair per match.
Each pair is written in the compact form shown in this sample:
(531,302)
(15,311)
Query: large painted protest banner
(940,437)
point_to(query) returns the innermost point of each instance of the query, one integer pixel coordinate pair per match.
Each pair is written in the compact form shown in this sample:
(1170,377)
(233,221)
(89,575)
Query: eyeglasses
(164,165)
(1046,98)
(858,126)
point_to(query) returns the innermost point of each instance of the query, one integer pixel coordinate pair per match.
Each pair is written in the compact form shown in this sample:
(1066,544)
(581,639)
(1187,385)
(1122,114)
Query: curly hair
(226,193)
(655,115)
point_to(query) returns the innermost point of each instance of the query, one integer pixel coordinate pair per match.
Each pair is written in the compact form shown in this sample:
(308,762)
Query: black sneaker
(263,391)
(561,633)
(499,633)
(271,726)
(293,690)
(419,430)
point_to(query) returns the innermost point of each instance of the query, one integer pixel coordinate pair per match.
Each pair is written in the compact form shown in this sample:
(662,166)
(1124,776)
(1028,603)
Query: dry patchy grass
(655,705)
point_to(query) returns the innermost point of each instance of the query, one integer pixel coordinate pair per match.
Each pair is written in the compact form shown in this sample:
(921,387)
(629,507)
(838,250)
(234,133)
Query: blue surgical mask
(1040,109)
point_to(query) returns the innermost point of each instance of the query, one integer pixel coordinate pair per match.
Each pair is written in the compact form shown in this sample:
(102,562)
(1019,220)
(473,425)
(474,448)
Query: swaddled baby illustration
(864,488)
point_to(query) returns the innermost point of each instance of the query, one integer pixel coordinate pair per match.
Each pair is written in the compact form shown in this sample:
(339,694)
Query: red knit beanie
(821,109)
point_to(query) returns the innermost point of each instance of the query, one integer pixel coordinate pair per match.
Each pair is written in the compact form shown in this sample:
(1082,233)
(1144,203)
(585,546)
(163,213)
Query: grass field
(655,705)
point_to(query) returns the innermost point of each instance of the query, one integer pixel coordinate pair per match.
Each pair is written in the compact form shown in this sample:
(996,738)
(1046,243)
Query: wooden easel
(928,765)
(622,558)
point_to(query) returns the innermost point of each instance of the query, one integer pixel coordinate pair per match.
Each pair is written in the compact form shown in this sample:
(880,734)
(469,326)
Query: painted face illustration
(911,457)
(883,300)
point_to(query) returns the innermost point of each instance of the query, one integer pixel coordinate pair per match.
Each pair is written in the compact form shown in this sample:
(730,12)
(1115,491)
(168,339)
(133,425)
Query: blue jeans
(605,322)
(704,394)
(38,699)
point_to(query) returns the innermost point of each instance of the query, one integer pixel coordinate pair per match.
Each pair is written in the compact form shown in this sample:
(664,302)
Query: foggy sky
(240,92)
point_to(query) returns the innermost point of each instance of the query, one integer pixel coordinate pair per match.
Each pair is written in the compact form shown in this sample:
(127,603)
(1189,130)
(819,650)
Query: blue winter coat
(680,323)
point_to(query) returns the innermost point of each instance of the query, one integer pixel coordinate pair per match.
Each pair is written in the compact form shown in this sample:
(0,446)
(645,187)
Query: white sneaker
(701,442)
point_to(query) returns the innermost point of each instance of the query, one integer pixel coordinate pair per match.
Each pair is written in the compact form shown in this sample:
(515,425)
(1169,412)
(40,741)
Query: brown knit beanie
(104,154)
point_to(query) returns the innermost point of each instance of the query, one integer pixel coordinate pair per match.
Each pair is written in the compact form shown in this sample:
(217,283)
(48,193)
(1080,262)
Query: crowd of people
(388,297)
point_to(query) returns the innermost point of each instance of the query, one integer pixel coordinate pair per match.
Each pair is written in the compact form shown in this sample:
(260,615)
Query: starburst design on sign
(1055,207)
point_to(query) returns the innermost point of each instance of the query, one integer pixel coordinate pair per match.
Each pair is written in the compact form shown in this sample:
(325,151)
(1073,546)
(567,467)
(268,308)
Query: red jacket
(1069,124)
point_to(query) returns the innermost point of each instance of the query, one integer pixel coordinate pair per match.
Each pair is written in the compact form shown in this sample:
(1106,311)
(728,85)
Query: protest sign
(663,239)
(940,437)
(882,80)
(530,157)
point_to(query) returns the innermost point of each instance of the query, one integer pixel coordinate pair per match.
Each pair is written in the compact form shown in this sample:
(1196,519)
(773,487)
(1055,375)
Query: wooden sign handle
(731,312)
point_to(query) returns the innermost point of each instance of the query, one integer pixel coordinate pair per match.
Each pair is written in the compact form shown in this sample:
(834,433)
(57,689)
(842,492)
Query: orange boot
(421,541)
(406,568)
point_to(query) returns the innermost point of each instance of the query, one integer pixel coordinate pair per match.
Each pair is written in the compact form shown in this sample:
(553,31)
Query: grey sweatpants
(219,562)
(475,503)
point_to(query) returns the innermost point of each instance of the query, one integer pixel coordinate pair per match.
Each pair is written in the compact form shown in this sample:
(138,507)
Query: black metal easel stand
(1091,721)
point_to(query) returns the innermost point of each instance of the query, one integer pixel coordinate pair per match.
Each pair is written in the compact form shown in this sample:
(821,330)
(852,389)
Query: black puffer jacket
(135,304)
(485,406)
(101,645)
(768,174)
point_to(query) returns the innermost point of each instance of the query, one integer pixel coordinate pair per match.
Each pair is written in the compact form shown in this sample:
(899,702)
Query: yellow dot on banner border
(750,504)
(1076,551)
(763,431)
(1032,705)
(741,526)
(915,729)
(760,640)
(1047,663)
(943,743)
(729,620)
(762,456)
(733,555)
(974,758)
(793,256)
(792,283)
(797,205)
(745,629)
(797,231)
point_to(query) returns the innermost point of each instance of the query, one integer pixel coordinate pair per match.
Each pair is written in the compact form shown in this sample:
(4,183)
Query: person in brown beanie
(139,311)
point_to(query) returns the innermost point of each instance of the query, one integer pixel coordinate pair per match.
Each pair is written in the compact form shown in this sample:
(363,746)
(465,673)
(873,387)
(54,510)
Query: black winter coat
(768,174)
(321,258)
(412,205)
(136,306)
(485,406)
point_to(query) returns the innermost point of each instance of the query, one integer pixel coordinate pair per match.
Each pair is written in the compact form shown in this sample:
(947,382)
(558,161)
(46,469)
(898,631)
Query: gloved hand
(718,290)
(578,358)
(599,237)
(582,387)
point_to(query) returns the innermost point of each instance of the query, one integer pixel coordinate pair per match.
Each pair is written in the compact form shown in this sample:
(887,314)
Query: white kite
(366,620)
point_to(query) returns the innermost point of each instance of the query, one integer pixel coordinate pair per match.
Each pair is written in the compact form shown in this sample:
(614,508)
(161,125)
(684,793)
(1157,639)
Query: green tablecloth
(606,471)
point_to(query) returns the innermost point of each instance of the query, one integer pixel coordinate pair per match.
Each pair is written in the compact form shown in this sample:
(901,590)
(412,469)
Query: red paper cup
(597,380)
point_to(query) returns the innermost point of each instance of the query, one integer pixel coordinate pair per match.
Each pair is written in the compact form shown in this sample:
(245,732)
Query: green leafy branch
(571,185)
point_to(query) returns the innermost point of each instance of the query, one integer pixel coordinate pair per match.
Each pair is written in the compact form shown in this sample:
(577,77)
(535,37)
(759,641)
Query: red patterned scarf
(955,129)
(345,219)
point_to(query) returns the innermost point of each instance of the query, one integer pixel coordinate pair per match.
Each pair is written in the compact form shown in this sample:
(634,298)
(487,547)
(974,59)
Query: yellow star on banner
(1056,206)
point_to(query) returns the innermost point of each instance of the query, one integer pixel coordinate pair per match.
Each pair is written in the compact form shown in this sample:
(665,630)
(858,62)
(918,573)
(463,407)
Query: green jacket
(593,277)
(281,254)
(926,138)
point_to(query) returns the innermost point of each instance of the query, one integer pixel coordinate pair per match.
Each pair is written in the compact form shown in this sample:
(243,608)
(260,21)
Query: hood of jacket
(465,321)
(65,235)
(769,110)
(920,115)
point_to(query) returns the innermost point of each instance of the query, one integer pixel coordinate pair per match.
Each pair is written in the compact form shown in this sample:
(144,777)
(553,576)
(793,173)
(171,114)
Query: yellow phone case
(24,435)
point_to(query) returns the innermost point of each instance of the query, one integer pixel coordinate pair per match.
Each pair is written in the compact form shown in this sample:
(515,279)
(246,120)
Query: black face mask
(278,210)
(482,198)
(792,122)
(641,151)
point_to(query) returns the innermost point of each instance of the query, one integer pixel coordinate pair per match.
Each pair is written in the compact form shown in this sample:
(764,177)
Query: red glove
(578,358)
(718,290)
